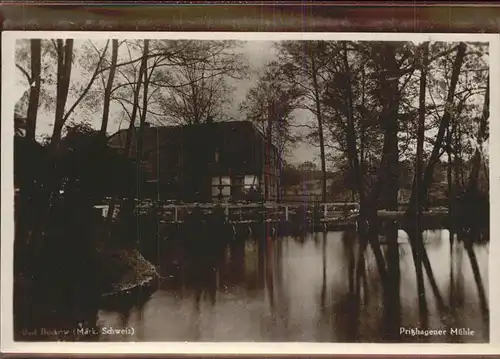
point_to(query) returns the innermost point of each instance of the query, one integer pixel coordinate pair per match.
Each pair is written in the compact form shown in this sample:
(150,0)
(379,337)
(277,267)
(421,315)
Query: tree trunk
(419,195)
(140,139)
(64,65)
(135,106)
(457,154)
(421,125)
(279,176)
(421,185)
(352,151)
(27,190)
(109,87)
(481,136)
(389,184)
(362,128)
(128,144)
(449,168)
(368,214)
(145,86)
(36,53)
(415,235)
(267,151)
(319,116)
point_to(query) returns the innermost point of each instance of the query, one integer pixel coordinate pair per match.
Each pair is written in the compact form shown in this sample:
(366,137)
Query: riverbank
(127,271)
(61,303)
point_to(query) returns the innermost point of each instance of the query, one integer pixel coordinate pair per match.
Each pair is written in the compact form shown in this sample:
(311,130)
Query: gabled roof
(158,136)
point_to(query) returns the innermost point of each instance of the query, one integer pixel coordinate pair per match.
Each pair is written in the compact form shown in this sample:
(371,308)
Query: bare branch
(124,107)
(25,73)
(89,85)
(140,108)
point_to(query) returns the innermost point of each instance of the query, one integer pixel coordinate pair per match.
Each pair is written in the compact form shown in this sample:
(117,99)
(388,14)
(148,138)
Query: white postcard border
(7,223)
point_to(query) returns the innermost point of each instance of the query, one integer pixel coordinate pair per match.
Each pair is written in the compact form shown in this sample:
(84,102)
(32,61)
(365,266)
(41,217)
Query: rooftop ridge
(179,127)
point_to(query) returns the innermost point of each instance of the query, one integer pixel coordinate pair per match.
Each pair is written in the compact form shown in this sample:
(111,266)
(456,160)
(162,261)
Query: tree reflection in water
(322,287)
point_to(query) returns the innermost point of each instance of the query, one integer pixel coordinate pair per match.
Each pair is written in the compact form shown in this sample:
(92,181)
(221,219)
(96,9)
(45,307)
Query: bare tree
(420,194)
(481,137)
(136,99)
(35,83)
(270,105)
(416,249)
(353,159)
(421,120)
(129,204)
(304,63)
(64,50)
(109,86)
(195,84)
(390,99)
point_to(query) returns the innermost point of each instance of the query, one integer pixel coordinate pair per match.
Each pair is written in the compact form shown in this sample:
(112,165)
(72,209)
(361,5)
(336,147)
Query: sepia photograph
(271,189)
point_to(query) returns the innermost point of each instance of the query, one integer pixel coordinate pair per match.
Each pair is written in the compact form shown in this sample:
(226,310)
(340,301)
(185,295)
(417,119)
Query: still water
(301,289)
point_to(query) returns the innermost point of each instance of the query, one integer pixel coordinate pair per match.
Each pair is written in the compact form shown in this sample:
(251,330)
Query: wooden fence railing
(243,212)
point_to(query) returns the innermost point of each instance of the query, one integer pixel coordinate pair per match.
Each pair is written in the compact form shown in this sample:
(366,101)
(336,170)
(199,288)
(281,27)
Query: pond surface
(303,288)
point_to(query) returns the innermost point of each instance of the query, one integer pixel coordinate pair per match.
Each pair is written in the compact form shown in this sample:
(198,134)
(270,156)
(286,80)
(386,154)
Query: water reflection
(318,287)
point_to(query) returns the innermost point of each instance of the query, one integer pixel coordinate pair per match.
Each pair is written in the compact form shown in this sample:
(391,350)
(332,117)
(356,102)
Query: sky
(258,53)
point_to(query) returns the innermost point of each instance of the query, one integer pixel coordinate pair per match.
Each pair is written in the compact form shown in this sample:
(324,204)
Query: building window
(223,180)
(250,181)
(221,188)
(225,191)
